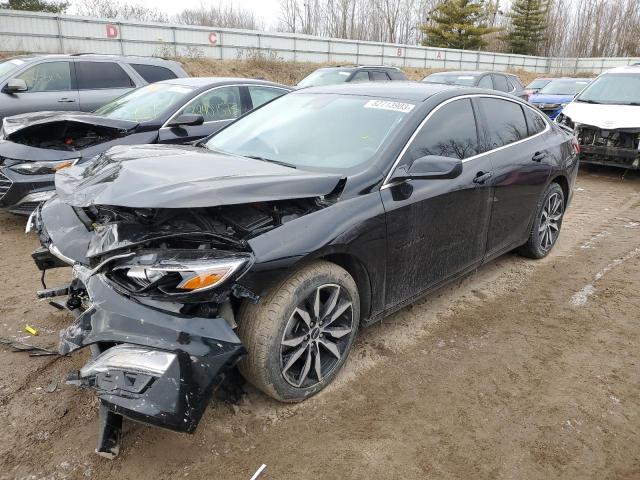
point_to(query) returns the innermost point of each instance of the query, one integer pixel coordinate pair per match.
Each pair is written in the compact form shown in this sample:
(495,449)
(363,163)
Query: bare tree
(120,10)
(219,16)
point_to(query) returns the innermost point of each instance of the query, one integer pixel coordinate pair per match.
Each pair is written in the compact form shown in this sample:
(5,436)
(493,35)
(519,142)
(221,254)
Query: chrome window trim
(387,183)
(216,88)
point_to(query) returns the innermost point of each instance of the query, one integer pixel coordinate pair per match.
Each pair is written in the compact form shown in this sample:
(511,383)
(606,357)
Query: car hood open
(160,176)
(607,117)
(19,122)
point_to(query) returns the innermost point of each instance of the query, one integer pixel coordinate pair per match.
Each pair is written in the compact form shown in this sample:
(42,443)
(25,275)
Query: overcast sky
(266,10)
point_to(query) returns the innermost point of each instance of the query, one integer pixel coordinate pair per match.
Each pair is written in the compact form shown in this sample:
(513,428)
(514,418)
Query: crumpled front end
(617,148)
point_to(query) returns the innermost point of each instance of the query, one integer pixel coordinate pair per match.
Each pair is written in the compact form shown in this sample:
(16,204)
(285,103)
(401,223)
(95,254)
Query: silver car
(80,82)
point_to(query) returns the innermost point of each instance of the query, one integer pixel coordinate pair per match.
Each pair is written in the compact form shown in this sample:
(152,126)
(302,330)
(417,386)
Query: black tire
(270,329)
(546,227)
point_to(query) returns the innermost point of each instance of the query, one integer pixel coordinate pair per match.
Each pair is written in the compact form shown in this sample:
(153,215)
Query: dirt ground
(523,370)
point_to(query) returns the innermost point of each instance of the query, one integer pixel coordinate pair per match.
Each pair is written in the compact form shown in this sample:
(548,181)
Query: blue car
(553,97)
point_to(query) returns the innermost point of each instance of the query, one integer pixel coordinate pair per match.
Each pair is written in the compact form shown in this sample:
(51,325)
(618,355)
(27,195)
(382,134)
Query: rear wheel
(299,336)
(546,225)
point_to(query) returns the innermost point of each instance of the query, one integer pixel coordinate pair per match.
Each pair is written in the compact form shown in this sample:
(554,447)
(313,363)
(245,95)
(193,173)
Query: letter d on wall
(112,31)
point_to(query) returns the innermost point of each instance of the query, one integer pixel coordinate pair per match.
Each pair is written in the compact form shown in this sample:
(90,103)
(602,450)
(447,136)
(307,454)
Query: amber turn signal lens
(61,165)
(201,280)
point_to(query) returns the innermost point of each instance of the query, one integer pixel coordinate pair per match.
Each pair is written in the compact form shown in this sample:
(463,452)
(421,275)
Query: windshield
(146,103)
(466,80)
(8,66)
(325,132)
(538,83)
(564,87)
(325,77)
(617,89)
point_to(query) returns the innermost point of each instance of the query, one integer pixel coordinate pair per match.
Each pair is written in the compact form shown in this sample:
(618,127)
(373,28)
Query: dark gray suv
(81,82)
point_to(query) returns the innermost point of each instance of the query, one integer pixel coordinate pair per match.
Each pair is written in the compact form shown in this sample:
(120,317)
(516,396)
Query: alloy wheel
(316,336)
(550,219)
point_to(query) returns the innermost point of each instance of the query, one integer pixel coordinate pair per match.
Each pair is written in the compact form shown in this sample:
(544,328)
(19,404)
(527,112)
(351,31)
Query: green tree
(458,24)
(36,5)
(528,23)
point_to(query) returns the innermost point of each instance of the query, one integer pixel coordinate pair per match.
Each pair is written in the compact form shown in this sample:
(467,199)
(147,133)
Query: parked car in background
(605,117)
(277,239)
(557,94)
(352,73)
(79,82)
(536,85)
(503,82)
(37,145)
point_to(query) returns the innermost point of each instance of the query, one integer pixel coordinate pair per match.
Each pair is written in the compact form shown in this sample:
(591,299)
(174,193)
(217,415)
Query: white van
(605,117)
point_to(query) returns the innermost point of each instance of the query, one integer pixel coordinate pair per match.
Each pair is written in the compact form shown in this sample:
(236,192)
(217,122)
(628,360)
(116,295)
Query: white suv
(605,117)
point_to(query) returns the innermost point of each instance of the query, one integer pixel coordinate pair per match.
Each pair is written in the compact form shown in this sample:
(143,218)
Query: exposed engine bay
(64,135)
(610,147)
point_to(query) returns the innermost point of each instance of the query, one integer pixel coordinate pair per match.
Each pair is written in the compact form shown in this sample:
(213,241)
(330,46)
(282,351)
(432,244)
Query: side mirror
(187,120)
(432,167)
(16,85)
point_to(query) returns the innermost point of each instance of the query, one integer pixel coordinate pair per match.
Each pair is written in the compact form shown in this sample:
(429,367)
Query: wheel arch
(563,181)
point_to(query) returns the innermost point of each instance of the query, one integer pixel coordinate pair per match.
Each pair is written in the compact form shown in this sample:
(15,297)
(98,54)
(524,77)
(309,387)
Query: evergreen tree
(36,5)
(528,23)
(458,24)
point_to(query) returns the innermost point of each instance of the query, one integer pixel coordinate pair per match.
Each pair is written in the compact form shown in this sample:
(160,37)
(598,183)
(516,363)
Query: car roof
(625,69)
(577,79)
(96,56)
(201,82)
(412,91)
(462,72)
(356,67)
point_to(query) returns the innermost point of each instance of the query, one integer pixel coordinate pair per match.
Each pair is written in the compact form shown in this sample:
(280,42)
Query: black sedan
(34,146)
(273,243)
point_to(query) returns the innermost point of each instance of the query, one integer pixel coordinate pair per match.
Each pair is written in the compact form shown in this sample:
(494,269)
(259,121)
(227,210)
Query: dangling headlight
(178,272)
(43,168)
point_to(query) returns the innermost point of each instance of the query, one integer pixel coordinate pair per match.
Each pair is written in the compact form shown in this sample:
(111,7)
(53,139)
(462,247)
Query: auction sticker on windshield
(388,105)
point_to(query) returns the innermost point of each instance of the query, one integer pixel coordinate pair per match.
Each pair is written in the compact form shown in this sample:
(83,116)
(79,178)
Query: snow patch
(580,298)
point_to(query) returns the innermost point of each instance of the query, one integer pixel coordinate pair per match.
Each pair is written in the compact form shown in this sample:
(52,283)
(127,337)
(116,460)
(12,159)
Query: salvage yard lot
(520,370)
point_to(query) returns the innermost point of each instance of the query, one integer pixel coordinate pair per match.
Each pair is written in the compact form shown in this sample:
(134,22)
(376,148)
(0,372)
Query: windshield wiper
(279,162)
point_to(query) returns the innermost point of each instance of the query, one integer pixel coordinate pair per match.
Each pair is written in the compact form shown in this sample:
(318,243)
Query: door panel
(437,228)
(518,180)
(50,87)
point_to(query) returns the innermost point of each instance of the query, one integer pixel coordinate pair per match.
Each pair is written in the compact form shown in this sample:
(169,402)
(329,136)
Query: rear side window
(47,77)
(261,95)
(397,75)
(515,81)
(153,73)
(379,76)
(450,132)
(96,75)
(360,77)
(485,82)
(535,122)
(504,123)
(500,83)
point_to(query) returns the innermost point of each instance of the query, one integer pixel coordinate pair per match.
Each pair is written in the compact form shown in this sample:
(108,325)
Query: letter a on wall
(112,31)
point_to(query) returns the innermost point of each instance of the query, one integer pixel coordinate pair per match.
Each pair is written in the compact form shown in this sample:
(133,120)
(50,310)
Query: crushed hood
(607,117)
(160,176)
(19,122)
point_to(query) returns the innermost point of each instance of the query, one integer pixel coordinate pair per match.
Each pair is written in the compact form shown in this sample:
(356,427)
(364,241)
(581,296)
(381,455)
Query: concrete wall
(38,32)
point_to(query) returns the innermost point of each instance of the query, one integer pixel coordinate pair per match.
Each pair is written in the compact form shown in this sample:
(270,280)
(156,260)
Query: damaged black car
(34,146)
(272,243)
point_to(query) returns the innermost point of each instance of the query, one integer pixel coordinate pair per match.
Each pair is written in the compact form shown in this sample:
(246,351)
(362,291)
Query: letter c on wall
(213,38)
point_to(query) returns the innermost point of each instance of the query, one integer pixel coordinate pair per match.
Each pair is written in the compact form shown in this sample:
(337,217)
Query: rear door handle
(538,156)
(66,100)
(482,177)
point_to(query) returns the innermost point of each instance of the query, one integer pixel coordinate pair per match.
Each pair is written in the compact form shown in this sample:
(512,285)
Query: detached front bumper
(21,194)
(149,365)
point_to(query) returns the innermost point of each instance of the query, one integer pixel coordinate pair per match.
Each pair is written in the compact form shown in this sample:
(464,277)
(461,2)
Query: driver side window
(450,132)
(47,77)
(221,103)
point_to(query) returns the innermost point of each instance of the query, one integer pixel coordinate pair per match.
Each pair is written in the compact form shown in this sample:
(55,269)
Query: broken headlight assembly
(178,272)
(129,358)
(44,167)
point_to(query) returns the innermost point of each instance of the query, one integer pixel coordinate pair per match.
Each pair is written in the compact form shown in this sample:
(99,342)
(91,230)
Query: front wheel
(546,225)
(299,336)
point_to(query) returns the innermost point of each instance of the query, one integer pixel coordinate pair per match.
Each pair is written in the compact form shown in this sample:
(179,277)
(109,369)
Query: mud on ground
(523,370)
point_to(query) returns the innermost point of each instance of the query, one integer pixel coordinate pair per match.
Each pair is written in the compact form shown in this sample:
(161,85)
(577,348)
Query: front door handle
(538,156)
(482,177)
(66,100)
